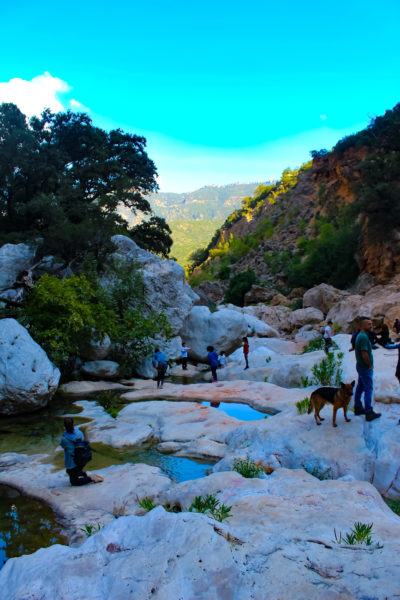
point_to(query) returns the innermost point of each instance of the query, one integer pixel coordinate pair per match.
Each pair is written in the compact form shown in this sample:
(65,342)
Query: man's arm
(366,359)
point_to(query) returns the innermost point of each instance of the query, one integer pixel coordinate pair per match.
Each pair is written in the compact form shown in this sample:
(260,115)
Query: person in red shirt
(246,351)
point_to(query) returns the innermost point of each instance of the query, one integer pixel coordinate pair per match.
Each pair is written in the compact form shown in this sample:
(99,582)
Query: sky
(223,91)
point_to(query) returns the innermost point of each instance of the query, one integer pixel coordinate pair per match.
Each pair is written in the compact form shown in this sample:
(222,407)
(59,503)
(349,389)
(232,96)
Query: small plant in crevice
(268,359)
(318,472)
(305,381)
(210,505)
(110,401)
(302,405)
(266,379)
(147,503)
(361,533)
(90,529)
(247,467)
(318,344)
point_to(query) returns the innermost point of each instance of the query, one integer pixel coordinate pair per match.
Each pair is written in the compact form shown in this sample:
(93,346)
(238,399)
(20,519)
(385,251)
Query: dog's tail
(310,406)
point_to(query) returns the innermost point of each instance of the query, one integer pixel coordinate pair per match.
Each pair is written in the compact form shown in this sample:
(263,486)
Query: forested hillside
(330,220)
(193,217)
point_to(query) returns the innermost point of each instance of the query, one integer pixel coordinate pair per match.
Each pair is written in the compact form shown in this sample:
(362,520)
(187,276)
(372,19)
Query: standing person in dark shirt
(212,358)
(365,370)
(246,351)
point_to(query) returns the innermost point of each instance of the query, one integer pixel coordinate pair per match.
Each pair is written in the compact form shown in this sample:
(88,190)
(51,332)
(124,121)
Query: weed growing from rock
(329,371)
(305,381)
(210,505)
(110,401)
(147,503)
(318,344)
(319,473)
(90,529)
(247,467)
(302,405)
(361,533)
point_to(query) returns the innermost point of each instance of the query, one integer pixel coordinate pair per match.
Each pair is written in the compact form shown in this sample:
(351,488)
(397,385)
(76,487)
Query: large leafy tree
(62,180)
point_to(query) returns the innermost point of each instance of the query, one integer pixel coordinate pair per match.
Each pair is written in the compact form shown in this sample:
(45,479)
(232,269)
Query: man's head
(365,324)
(330,322)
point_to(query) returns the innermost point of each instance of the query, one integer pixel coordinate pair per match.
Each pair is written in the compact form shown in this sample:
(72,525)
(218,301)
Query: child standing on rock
(212,358)
(246,351)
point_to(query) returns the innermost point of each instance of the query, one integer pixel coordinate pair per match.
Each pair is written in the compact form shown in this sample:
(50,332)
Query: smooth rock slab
(102,369)
(276,545)
(28,379)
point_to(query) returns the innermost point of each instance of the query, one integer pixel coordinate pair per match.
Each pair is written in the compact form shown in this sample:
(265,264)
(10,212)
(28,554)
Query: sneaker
(359,411)
(245,368)
(372,415)
(96,478)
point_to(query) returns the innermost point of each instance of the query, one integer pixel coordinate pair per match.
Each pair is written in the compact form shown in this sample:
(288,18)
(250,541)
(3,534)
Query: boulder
(323,297)
(14,258)
(101,369)
(256,327)
(97,349)
(257,294)
(222,329)
(305,316)
(278,299)
(297,293)
(274,316)
(306,334)
(164,281)
(28,379)
(210,292)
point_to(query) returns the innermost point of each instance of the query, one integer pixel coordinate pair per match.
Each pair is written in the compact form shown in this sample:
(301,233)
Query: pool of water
(237,410)
(25,525)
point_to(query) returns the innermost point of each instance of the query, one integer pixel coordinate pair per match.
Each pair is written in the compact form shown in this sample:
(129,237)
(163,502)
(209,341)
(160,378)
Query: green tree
(153,235)
(62,180)
(239,285)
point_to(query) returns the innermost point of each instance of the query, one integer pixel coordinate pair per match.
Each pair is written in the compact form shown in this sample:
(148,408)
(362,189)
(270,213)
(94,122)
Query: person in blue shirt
(71,435)
(184,355)
(212,358)
(160,363)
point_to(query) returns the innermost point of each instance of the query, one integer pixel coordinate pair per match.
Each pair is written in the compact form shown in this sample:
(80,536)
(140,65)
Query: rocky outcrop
(14,258)
(283,524)
(164,281)
(210,292)
(323,297)
(28,379)
(305,316)
(223,329)
(257,294)
(275,316)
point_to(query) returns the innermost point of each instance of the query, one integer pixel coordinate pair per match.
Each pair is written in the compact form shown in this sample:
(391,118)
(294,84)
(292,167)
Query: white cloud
(323,117)
(43,91)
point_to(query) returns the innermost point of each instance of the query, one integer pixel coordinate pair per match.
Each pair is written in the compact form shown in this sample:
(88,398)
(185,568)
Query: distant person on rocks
(212,358)
(396,326)
(246,351)
(365,370)
(160,363)
(384,338)
(71,435)
(184,355)
(397,372)
(328,336)
(222,360)
(353,340)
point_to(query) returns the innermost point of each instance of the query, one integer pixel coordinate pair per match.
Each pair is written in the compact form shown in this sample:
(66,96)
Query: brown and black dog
(338,397)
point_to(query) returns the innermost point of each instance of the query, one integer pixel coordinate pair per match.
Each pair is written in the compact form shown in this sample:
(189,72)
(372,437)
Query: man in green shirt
(365,370)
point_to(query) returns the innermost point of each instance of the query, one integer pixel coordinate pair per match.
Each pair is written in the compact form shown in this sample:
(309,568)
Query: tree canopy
(62,180)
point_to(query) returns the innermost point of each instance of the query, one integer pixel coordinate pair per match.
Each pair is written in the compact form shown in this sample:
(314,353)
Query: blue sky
(223,91)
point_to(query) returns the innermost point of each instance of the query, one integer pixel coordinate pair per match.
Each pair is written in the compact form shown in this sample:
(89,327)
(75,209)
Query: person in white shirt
(328,336)
(184,356)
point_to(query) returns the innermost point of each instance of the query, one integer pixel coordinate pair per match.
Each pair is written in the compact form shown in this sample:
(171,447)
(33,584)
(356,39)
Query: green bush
(329,370)
(239,284)
(210,505)
(247,467)
(302,405)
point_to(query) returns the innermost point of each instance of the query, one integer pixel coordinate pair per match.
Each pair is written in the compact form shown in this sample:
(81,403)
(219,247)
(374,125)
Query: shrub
(305,381)
(302,405)
(90,529)
(210,505)
(313,345)
(147,503)
(247,467)
(329,370)
(296,304)
(239,285)
(110,401)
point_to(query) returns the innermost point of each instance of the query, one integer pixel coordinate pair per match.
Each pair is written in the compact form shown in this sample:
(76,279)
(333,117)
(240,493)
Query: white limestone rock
(256,327)
(305,316)
(306,334)
(323,297)
(164,281)
(101,369)
(14,258)
(28,379)
(222,329)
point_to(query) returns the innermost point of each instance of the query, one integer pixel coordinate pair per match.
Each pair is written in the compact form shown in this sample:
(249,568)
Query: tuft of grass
(210,505)
(361,533)
(302,405)
(305,381)
(110,401)
(247,467)
(90,529)
(147,503)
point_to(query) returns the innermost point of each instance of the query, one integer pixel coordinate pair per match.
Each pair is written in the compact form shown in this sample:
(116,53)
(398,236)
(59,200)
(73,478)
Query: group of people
(216,360)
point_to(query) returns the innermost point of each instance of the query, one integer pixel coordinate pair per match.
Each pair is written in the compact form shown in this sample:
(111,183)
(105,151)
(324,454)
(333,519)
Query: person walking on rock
(365,370)
(212,358)
(246,351)
(328,336)
(184,355)
(397,372)
(70,436)
(160,363)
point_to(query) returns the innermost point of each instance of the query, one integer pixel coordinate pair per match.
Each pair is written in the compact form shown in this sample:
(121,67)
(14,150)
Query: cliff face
(321,192)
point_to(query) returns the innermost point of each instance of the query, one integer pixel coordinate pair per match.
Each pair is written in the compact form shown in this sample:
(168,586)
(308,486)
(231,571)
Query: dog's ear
(353,383)
(342,385)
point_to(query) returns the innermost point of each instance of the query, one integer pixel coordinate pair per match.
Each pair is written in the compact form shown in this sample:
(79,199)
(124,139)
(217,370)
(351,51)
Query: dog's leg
(334,416)
(318,407)
(345,413)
